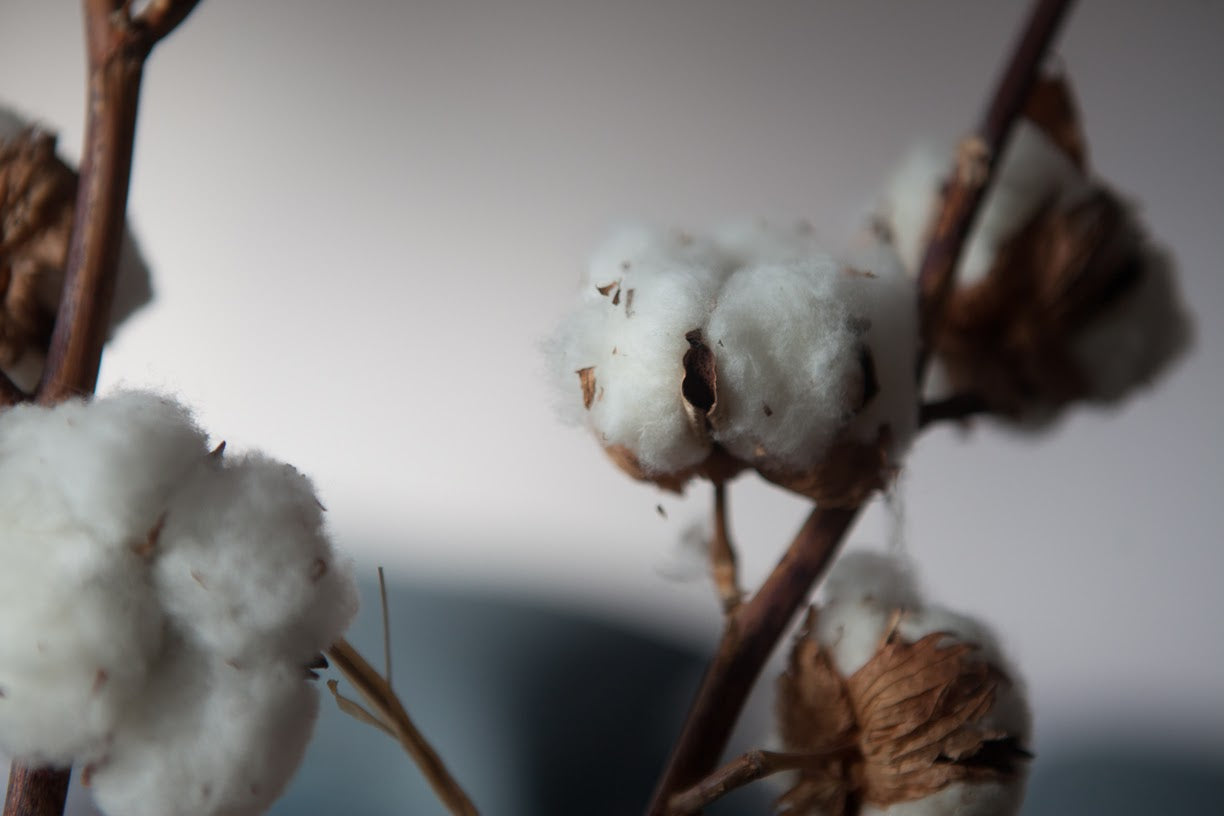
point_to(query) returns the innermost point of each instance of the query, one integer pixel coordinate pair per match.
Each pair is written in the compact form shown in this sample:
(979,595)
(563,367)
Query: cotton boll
(246,567)
(788,359)
(208,739)
(79,631)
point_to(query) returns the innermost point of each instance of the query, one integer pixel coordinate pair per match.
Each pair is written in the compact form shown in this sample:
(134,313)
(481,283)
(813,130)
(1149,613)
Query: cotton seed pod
(925,719)
(1062,295)
(752,348)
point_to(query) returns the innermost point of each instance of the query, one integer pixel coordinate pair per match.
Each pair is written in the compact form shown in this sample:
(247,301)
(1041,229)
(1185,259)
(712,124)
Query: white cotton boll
(106,465)
(788,361)
(977,799)
(645,291)
(207,740)
(1132,340)
(246,567)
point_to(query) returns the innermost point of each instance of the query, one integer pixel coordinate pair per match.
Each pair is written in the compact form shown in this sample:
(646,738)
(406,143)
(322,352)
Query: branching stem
(754,630)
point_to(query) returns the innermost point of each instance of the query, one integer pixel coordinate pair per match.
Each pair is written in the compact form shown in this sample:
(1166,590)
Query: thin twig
(975,168)
(736,774)
(722,555)
(116,47)
(753,632)
(386,616)
(388,709)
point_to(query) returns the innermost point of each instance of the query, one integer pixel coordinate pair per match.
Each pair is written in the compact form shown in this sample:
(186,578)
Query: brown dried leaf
(37,197)
(607,287)
(1051,107)
(586,376)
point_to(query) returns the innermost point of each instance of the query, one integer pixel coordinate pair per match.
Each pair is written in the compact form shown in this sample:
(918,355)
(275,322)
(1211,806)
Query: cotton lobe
(751,347)
(905,708)
(162,604)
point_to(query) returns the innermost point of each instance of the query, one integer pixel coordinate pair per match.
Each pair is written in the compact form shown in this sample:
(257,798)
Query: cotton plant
(703,354)
(165,605)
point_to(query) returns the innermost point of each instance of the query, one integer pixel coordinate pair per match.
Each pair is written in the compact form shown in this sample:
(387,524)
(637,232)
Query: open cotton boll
(107,465)
(246,568)
(79,629)
(207,740)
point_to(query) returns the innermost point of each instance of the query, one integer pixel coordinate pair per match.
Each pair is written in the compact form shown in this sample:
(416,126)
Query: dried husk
(1009,338)
(904,726)
(37,196)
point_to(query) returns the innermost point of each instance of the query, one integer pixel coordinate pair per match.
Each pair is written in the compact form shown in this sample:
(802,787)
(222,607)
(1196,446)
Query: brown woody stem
(968,185)
(391,713)
(754,630)
(116,47)
(735,774)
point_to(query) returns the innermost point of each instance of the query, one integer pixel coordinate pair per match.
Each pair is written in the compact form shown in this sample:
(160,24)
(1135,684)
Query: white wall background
(362,217)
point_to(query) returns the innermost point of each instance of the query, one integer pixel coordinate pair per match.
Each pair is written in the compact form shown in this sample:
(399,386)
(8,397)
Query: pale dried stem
(387,707)
(722,555)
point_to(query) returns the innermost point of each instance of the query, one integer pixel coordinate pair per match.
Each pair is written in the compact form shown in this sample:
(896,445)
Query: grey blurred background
(361,218)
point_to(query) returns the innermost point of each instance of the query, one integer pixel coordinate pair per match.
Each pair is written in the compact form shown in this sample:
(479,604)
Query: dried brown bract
(37,196)
(907,724)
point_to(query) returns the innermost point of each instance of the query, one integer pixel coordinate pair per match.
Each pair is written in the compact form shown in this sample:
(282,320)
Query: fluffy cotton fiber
(161,604)
(803,345)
